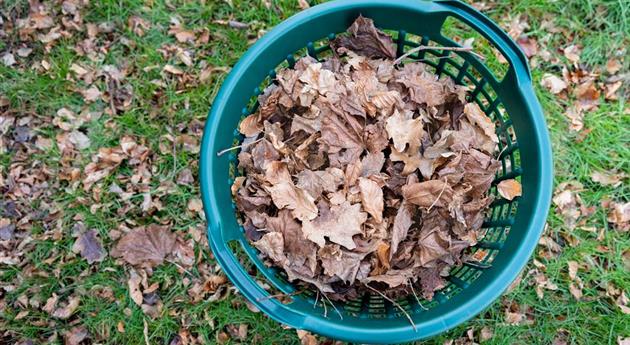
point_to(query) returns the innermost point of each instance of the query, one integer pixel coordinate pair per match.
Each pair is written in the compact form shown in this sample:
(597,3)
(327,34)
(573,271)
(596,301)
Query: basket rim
(328,327)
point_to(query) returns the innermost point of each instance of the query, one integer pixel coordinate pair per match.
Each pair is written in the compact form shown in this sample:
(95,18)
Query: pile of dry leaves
(357,171)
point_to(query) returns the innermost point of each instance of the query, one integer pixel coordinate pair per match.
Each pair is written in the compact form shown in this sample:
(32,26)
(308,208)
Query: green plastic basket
(513,227)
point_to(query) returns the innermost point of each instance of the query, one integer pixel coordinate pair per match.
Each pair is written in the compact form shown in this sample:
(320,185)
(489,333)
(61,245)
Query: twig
(503,150)
(238,147)
(396,304)
(415,295)
(179,266)
(439,195)
(333,305)
(419,48)
(316,299)
(297,292)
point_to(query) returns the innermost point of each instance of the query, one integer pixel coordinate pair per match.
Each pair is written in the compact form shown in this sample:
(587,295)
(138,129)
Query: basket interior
(466,70)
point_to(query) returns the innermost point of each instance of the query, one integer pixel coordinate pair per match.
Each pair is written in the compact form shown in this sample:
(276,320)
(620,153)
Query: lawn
(101,112)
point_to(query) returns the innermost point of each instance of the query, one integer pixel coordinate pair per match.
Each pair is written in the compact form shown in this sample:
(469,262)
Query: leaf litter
(361,174)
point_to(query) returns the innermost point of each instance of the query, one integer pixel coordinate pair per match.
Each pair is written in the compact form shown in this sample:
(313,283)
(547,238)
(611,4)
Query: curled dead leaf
(510,189)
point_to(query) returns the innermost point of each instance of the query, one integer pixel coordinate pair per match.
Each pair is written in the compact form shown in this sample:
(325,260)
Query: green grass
(601,27)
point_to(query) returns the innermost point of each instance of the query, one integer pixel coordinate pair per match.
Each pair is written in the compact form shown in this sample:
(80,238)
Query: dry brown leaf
(305,337)
(90,247)
(341,263)
(576,291)
(528,45)
(619,215)
(372,198)
(133,285)
(587,95)
(477,117)
(366,40)
(553,83)
(402,223)
(339,225)
(568,203)
(572,53)
(510,189)
(433,245)
(404,130)
(146,246)
(485,334)
(613,66)
(435,193)
(75,335)
(608,178)
(286,194)
(303,4)
(272,245)
(66,311)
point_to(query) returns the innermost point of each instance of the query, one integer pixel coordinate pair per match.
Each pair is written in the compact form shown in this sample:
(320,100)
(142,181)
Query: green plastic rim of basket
(513,227)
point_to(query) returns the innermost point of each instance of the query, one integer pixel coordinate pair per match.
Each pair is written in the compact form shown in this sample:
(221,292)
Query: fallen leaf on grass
(613,66)
(66,311)
(134,287)
(622,302)
(587,95)
(576,118)
(75,335)
(510,189)
(79,140)
(6,229)
(572,53)
(92,94)
(306,338)
(185,177)
(8,59)
(238,332)
(485,334)
(514,318)
(553,83)
(303,4)
(568,203)
(90,247)
(576,291)
(608,179)
(528,45)
(619,215)
(146,246)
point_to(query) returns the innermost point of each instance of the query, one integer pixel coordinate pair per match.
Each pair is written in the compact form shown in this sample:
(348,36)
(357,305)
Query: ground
(138,77)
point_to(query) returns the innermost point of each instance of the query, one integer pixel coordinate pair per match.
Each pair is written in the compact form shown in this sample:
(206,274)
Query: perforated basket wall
(512,228)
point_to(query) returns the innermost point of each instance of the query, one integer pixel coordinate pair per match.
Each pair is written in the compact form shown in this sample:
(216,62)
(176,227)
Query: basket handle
(247,286)
(502,41)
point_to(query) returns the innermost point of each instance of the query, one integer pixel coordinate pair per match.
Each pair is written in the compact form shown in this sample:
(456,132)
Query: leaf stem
(395,304)
(419,48)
